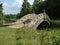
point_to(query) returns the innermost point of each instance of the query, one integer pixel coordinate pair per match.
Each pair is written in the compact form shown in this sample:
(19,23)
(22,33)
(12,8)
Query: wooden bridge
(34,20)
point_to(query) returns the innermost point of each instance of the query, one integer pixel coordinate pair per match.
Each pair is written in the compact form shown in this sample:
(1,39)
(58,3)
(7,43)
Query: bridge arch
(43,24)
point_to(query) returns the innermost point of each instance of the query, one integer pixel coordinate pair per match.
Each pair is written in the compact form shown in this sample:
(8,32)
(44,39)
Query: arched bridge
(34,20)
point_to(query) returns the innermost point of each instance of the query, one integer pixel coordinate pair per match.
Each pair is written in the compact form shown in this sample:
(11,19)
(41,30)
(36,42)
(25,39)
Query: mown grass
(30,36)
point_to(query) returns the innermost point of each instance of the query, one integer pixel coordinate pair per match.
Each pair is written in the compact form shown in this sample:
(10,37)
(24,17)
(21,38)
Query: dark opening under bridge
(33,20)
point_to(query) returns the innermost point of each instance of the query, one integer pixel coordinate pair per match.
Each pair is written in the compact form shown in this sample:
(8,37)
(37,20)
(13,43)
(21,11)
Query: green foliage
(25,9)
(10,18)
(1,15)
(53,8)
(38,6)
(29,36)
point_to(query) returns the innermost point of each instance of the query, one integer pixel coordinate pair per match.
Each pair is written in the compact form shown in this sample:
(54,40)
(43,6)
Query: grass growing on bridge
(29,36)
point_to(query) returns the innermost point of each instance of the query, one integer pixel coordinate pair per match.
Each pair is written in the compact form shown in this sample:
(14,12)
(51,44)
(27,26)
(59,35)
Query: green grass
(30,36)
(7,36)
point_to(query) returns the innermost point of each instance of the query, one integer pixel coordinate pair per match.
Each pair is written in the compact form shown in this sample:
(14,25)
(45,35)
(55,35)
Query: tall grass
(29,36)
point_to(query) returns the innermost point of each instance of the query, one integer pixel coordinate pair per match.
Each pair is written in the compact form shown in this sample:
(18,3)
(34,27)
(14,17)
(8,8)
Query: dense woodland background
(51,7)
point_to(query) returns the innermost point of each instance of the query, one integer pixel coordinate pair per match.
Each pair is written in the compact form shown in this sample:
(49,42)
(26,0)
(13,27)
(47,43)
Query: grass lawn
(29,36)
(7,36)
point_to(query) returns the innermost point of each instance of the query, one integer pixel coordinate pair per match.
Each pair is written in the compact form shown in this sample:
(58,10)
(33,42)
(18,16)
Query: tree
(53,8)
(9,18)
(25,9)
(38,6)
(1,15)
